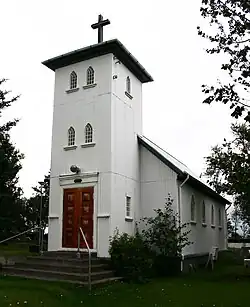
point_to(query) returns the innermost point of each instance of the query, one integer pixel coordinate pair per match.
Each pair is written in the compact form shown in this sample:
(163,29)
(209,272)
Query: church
(105,174)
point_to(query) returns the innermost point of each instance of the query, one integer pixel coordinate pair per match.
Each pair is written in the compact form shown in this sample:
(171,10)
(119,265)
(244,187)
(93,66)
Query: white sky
(162,35)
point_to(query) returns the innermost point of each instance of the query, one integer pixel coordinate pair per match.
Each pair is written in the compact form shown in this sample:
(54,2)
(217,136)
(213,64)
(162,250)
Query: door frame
(67,182)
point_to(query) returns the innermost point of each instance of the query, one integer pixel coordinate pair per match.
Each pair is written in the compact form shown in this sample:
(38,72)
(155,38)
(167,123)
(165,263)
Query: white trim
(83,184)
(68,179)
(128,219)
(71,147)
(193,222)
(103,215)
(72,90)
(92,144)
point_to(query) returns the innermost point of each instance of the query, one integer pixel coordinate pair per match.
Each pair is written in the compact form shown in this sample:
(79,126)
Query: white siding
(203,238)
(157,181)
(126,124)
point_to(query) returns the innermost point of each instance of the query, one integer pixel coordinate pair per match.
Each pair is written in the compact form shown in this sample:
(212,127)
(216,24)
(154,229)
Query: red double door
(78,208)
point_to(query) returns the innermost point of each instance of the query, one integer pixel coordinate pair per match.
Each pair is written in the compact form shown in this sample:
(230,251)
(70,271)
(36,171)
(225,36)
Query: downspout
(179,210)
(226,225)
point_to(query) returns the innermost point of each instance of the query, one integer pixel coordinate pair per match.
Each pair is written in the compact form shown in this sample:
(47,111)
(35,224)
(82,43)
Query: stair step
(62,267)
(55,274)
(65,254)
(57,260)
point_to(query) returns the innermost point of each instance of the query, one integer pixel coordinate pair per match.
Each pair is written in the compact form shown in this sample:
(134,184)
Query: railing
(19,234)
(24,232)
(80,232)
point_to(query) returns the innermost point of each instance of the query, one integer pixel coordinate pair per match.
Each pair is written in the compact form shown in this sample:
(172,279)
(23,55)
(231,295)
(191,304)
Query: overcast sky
(162,35)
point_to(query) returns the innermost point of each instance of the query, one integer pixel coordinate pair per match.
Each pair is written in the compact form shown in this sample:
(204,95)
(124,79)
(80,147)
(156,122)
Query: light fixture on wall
(75,169)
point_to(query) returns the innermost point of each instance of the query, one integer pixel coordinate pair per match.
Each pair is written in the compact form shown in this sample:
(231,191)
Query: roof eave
(113,46)
(196,183)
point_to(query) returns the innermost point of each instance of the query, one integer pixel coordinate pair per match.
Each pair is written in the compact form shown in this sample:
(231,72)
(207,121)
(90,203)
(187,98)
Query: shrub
(164,233)
(156,250)
(130,257)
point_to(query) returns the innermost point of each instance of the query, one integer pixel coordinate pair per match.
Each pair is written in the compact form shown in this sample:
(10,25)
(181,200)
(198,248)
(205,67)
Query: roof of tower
(113,46)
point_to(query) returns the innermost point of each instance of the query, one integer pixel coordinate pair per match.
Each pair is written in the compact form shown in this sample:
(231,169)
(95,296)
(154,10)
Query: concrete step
(61,267)
(51,274)
(65,254)
(56,260)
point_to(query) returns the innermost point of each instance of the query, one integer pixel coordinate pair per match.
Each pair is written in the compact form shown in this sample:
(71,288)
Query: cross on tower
(99,25)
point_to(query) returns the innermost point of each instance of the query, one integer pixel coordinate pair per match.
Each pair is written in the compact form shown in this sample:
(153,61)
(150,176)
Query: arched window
(128,85)
(193,208)
(90,76)
(71,136)
(73,80)
(220,217)
(212,215)
(88,134)
(203,212)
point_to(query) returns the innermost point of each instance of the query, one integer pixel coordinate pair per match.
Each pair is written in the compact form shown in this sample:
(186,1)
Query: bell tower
(96,119)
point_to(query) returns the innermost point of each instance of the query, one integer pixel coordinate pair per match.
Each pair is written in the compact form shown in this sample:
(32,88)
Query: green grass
(227,286)
(189,291)
(14,249)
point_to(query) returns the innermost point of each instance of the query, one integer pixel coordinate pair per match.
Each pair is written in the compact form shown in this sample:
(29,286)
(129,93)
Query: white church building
(118,175)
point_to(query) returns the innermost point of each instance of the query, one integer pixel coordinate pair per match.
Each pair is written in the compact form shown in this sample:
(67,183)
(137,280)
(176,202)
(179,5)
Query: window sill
(85,87)
(128,95)
(70,147)
(220,227)
(193,222)
(103,215)
(129,219)
(53,216)
(72,90)
(88,145)
(212,226)
(204,225)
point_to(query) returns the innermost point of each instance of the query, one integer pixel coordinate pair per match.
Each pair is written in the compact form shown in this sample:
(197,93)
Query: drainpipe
(226,225)
(179,212)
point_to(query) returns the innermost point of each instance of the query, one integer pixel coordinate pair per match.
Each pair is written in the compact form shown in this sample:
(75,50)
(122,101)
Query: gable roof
(113,46)
(181,169)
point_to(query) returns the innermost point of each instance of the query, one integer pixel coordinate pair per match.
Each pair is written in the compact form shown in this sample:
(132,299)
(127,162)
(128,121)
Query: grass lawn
(14,249)
(227,286)
(189,291)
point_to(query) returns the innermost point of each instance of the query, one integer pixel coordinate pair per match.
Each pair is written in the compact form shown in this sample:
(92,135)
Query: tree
(228,169)
(230,228)
(11,205)
(33,204)
(230,35)
(236,220)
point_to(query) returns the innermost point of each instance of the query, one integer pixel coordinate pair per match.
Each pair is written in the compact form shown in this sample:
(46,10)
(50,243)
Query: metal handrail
(19,234)
(80,232)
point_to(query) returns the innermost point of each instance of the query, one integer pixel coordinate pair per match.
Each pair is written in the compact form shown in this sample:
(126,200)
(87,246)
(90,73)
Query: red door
(78,207)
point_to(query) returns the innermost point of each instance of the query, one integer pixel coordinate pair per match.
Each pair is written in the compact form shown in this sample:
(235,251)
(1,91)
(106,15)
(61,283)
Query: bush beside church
(154,251)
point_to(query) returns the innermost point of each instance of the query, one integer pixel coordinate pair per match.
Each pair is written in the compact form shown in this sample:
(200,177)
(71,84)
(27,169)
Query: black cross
(99,25)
